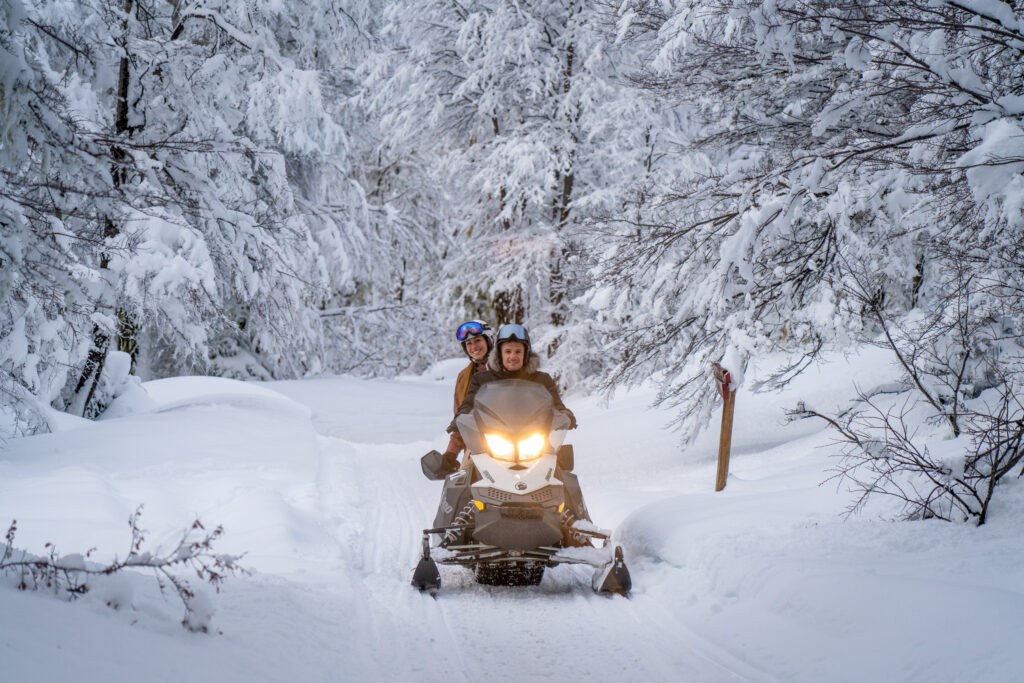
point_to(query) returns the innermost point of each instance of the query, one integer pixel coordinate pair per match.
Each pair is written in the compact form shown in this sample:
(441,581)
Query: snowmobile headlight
(500,447)
(531,447)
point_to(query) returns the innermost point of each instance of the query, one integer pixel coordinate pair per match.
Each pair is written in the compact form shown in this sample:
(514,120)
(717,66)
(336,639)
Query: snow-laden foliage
(178,185)
(845,165)
(510,112)
(851,172)
(263,189)
(75,574)
(58,189)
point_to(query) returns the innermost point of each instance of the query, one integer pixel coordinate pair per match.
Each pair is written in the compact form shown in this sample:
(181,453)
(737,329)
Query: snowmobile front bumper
(611,575)
(518,527)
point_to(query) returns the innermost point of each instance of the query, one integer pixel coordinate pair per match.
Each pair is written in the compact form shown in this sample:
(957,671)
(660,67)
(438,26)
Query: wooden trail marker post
(724,381)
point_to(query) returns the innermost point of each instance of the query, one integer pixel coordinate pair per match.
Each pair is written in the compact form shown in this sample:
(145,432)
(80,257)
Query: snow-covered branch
(70,574)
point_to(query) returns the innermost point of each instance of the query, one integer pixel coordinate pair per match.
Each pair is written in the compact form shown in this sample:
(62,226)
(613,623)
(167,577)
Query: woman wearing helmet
(511,358)
(475,338)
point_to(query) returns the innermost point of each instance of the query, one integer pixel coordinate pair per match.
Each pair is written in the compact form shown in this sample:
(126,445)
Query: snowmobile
(518,509)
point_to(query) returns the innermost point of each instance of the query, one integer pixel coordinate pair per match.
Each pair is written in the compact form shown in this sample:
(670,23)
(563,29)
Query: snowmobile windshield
(513,408)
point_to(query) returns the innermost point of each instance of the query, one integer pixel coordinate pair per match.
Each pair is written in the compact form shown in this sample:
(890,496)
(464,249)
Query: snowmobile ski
(615,578)
(426,577)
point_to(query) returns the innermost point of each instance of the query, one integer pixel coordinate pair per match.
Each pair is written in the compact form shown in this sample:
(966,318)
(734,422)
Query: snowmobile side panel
(573,495)
(454,496)
(566,457)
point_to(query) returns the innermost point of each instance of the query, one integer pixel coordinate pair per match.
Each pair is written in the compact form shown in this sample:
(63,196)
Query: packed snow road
(318,483)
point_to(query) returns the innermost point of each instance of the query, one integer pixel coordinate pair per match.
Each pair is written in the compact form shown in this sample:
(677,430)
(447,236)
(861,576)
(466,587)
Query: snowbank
(318,482)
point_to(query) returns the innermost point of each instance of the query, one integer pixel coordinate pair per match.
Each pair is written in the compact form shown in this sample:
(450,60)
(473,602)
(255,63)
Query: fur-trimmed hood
(530,365)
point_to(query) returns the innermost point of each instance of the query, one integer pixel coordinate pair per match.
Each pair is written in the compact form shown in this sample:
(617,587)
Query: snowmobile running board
(611,577)
(470,555)
(582,533)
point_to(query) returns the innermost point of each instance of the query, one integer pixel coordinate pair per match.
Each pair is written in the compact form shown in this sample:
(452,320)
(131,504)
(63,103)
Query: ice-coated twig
(69,574)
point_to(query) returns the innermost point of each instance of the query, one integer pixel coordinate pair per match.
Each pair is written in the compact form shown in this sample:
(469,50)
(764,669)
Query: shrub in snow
(889,451)
(74,575)
(956,427)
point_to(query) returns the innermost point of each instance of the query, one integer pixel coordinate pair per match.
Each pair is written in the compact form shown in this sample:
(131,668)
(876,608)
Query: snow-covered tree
(845,162)
(178,186)
(511,112)
(60,193)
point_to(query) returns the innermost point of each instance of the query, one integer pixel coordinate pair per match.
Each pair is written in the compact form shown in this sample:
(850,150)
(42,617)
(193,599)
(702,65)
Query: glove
(450,461)
(572,419)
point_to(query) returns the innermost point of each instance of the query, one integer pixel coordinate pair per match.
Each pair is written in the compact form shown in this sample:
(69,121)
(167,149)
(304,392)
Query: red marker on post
(724,381)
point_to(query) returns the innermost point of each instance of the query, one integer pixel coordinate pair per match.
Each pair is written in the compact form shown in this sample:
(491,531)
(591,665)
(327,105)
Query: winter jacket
(463,380)
(496,372)
(462,383)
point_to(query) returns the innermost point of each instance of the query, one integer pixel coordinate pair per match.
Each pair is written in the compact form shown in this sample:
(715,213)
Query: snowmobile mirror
(433,466)
(565,457)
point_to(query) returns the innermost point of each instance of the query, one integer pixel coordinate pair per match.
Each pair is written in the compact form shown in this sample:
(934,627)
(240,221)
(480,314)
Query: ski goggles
(470,329)
(512,331)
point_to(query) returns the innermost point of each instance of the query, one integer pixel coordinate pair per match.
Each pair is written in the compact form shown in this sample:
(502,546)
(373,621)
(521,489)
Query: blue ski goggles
(512,331)
(473,327)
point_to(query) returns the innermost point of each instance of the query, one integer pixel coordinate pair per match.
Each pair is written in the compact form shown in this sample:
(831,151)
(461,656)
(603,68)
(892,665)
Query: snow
(317,481)
(994,168)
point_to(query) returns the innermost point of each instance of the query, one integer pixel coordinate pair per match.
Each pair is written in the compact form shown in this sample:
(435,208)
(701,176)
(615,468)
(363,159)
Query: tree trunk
(507,304)
(565,177)
(508,307)
(126,325)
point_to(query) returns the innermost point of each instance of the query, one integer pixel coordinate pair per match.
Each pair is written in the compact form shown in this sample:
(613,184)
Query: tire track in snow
(662,617)
(365,496)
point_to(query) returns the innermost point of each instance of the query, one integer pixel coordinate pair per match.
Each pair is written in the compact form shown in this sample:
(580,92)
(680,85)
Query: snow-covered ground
(318,482)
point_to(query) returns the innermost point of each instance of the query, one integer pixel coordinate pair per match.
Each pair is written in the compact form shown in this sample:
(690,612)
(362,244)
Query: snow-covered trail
(375,501)
(318,483)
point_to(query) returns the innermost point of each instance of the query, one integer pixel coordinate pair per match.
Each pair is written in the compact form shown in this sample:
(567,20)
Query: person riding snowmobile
(518,509)
(475,338)
(511,358)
